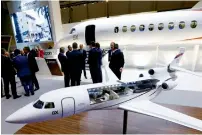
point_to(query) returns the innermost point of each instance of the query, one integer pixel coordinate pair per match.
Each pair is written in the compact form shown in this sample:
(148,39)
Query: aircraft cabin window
(161,26)
(72,31)
(116,29)
(142,27)
(39,104)
(182,25)
(49,105)
(151,27)
(193,24)
(132,28)
(171,25)
(124,29)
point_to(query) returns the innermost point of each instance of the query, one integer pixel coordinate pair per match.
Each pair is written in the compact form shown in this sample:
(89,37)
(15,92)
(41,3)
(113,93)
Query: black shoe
(7,97)
(32,93)
(85,77)
(27,95)
(2,96)
(36,89)
(18,96)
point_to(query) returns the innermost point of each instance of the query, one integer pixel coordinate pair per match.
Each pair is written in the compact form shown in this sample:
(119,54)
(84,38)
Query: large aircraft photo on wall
(32,25)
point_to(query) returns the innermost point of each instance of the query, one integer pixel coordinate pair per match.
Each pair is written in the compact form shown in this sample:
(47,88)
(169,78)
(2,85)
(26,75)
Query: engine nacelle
(156,71)
(168,85)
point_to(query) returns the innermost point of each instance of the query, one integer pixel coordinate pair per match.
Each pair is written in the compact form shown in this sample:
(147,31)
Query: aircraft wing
(149,108)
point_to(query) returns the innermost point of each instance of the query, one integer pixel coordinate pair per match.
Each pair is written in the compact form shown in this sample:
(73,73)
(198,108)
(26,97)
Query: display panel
(32,25)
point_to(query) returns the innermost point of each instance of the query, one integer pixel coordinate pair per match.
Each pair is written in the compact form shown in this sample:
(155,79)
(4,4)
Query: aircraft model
(170,27)
(134,96)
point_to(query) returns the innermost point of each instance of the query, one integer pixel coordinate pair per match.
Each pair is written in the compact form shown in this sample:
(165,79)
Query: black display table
(125,118)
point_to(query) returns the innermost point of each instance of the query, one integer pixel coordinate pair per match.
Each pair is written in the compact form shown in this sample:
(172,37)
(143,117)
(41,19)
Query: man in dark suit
(75,65)
(33,66)
(83,52)
(64,66)
(8,74)
(69,49)
(93,61)
(117,61)
(100,61)
(110,51)
(23,72)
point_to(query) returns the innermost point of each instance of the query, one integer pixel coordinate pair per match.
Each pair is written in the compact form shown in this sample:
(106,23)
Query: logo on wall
(27,4)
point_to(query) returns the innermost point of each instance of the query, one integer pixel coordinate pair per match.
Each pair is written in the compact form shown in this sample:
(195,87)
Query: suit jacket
(109,54)
(100,56)
(7,68)
(83,57)
(63,61)
(75,61)
(117,60)
(32,63)
(93,58)
(22,66)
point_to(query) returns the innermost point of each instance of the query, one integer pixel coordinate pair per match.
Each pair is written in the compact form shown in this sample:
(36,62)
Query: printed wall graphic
(32,25)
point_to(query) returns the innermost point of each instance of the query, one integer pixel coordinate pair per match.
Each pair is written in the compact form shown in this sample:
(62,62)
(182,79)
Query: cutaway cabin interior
(112,92)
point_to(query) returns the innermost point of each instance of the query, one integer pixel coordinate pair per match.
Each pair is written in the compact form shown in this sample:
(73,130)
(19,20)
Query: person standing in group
(40,52)
(64,66)
(33,67)
(75,65)
(69,49)
(100,61)
(117,61)
(110,51)
(8,74)
(83,52)
(93,61)
(23,72)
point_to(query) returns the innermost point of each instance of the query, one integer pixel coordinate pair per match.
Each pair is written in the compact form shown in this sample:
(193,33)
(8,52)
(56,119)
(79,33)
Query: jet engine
(168,85)
(156,71)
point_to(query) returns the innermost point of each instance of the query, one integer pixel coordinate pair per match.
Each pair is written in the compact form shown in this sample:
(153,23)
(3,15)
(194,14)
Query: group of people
(74,61)
(22,63)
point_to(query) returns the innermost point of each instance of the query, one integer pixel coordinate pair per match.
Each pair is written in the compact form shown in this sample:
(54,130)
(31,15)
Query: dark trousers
(27,84)
(75,78)
(117,72)
(11,80)
(100,74)
(35,81)
(84,72)
(66,79)
(94,71)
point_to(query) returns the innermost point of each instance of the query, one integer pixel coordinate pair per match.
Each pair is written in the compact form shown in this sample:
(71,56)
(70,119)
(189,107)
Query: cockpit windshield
(49,105)
(39,104)
(72,31)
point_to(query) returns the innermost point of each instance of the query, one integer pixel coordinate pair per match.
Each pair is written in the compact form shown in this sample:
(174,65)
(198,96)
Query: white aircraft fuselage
(73,100)
(165,27)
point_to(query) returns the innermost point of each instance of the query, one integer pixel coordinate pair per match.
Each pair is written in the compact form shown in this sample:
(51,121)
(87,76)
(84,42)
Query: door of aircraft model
(68,107)
(90,34)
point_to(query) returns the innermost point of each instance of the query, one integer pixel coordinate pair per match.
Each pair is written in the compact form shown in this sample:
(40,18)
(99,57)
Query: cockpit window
(49,105)
(39,104)
(72,31)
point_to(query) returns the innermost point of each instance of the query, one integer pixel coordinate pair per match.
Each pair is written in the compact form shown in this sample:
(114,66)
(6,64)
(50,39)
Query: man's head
(116,46)
(69,48)
(74,46)
(7,54)
(112,45)
(16,52)
(92,44)
(81,46)
(26,49)
(62,50)
(97,45)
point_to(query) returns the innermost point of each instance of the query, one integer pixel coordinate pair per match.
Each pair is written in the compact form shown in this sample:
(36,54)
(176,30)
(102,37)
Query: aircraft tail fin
(178,57)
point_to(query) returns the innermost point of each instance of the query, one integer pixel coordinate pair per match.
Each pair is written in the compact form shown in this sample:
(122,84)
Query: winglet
(178,57)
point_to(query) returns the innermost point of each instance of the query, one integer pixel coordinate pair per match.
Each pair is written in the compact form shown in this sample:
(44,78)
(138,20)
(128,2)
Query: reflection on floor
(110,122)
